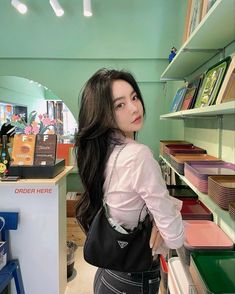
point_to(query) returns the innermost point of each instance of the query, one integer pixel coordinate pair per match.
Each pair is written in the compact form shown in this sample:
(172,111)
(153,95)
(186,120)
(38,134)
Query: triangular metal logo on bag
(122,244)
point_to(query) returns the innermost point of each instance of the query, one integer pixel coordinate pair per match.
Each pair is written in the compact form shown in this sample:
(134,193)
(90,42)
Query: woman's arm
(148,183)
(155,240)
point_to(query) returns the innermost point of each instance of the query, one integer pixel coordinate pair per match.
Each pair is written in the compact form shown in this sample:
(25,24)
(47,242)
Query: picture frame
(187,21)
(227,90)
(212,83)
(193,17)
(178,99)
(6,112)
(206,6)
(22,111)
(191,93)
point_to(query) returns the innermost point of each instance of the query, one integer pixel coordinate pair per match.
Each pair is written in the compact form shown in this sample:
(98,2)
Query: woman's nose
(133,107)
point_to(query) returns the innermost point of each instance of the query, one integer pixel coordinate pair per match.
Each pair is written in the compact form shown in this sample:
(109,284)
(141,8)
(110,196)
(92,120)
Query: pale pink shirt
(137,179)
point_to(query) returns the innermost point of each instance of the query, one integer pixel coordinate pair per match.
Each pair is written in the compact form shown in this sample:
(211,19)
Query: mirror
(21,96)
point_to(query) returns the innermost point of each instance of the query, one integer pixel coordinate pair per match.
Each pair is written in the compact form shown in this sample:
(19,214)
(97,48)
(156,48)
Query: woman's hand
(155,239)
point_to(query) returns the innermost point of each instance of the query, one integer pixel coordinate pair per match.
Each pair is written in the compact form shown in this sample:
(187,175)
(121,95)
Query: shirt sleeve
(149,184)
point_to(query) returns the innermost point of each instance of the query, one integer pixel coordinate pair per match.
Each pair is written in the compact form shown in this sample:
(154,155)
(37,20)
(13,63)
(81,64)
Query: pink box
(204,235)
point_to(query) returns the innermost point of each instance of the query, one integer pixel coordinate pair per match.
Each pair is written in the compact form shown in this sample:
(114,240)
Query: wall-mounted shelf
(221,217)
(213,110)
(214,33)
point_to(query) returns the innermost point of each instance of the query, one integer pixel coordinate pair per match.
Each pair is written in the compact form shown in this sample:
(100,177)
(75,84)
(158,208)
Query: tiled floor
(81,282)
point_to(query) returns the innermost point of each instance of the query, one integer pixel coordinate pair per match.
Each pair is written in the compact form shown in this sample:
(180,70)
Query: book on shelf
(227,90)
(45,149)
(178,99)
(23,149)
(191,93)
(212,83)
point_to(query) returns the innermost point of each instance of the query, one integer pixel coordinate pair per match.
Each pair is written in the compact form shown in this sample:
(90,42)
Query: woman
(112,112)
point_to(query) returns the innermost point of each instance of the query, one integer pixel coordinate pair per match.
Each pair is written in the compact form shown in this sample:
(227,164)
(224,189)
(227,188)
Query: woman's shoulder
(136,149)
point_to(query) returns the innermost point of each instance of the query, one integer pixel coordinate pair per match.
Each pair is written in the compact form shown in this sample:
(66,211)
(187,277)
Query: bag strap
(141,212)
(111,176)
(104,203)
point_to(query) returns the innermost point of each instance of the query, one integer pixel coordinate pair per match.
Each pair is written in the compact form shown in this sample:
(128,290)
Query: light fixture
(59,11)
(87,8)
(22,8)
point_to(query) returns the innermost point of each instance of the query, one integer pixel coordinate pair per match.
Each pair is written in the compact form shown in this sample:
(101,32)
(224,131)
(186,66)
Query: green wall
(62,53)
(20,91)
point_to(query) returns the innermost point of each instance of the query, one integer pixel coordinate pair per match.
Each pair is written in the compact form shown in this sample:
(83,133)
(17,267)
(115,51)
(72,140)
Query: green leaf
(43,130)
(17,124)
(40,127)
(32,117)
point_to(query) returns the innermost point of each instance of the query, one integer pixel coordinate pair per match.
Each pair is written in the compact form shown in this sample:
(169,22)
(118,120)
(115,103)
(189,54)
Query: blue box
(3,254)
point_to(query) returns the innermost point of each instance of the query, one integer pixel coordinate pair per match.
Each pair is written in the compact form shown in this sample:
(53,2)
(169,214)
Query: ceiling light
(59,11)
(87,8)
(22,8)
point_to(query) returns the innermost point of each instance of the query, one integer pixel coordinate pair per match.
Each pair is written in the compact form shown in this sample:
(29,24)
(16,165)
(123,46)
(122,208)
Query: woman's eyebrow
(122,97)
(118,98)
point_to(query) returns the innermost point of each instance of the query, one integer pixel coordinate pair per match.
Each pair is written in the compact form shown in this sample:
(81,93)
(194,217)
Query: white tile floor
(81,282)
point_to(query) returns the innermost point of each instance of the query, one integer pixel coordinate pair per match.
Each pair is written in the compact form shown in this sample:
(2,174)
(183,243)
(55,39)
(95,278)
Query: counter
(40,240)
(74,182)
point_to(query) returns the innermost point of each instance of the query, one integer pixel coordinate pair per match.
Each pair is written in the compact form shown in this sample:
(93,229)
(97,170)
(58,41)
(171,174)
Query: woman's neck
(130,135)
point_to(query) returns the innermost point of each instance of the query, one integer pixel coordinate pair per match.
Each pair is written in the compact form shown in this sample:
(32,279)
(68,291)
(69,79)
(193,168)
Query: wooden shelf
(220,216)
(213,110)
(213,33)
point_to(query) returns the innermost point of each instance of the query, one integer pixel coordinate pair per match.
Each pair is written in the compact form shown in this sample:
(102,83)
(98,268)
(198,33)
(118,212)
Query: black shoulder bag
(107,248)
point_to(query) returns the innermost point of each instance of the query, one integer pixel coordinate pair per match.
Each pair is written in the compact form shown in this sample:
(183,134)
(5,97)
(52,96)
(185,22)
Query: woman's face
(128,108)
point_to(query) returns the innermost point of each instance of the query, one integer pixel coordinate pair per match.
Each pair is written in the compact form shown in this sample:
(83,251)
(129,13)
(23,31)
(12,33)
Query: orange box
(23,149)
(63,152)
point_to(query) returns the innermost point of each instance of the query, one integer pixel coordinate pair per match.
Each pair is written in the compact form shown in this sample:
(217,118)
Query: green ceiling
(117,29)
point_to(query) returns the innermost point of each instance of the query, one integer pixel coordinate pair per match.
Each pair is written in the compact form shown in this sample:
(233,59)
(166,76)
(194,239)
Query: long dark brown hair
(96,138)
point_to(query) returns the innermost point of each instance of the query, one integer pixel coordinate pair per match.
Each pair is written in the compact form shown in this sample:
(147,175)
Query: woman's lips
(137,120)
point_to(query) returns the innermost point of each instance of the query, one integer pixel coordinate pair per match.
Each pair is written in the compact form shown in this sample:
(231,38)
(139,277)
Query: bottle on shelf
(4,157)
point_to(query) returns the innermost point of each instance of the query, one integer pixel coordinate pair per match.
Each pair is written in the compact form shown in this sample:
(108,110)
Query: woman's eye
(135,97)
(120,105)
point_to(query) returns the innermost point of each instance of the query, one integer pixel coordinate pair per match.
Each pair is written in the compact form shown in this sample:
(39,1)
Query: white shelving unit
(220,216)
(215,32)
(213,110)
(219,22)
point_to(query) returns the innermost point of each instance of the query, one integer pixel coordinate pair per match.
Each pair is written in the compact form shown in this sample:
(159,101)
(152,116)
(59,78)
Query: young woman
(112,111)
